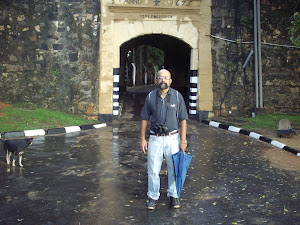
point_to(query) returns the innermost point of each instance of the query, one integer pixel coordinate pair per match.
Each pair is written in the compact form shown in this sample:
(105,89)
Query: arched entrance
(179,30)
(176,59)
(141,58)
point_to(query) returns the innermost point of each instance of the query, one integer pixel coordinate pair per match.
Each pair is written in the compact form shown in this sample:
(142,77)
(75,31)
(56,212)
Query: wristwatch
(184,142)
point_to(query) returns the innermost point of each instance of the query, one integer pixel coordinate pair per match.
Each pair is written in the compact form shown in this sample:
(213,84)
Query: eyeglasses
(161,78)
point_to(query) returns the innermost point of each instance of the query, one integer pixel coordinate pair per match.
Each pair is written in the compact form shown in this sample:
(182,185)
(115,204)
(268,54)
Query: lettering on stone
(136,2)
(156,3)
(183,3)
(155,16)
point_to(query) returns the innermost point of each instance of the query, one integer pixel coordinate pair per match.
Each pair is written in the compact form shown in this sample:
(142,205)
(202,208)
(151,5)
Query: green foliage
(244,21)
(294,29)
(156,56)
(230,66)
(18,118)
(55,73)
(271,121)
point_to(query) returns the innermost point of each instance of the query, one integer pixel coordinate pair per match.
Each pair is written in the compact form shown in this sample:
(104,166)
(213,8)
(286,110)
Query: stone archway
(177,57)
(127,22)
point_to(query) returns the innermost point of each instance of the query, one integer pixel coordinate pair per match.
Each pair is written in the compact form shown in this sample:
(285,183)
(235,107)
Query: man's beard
(163,86)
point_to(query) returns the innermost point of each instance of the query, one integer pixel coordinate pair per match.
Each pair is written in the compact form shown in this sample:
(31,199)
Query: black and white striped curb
(193,92)
(41,132)
(252,134)
(116,89)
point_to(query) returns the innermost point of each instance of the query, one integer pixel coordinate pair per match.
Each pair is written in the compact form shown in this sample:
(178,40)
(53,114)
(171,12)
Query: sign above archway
(157,8)
(124,20)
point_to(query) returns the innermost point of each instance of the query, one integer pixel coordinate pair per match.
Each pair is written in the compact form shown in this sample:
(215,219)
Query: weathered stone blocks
(234,86)
(41,53)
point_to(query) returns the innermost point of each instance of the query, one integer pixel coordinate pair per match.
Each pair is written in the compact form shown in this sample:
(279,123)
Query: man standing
(166,110)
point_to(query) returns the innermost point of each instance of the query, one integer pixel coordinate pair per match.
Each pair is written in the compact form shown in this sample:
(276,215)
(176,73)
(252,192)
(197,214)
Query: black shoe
(175,203)
(151,203)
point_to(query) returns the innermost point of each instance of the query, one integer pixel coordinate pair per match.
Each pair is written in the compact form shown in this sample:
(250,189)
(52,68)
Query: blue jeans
(159,147)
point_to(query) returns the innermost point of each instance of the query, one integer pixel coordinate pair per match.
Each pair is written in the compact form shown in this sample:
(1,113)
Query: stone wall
(234,87)
(49,53)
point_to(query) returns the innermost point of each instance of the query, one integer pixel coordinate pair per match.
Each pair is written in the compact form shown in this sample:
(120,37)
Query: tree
(294,29)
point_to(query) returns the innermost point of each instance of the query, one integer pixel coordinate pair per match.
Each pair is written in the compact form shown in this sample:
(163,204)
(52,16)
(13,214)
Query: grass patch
(18,118)
(271,121)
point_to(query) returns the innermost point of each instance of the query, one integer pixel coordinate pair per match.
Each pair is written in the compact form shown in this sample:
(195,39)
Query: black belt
(171,133)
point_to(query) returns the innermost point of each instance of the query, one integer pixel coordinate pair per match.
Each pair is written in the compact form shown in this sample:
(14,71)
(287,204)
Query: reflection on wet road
(100,177)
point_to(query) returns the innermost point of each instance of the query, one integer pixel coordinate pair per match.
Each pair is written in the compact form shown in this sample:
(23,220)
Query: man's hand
(183,142)
(143,145)
(183,147)
(143,142)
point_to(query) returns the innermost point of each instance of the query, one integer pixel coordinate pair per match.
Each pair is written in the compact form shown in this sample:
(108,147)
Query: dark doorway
(148,54)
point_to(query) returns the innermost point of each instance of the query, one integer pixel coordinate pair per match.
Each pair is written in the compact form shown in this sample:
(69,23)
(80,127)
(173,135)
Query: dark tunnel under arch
(176,58)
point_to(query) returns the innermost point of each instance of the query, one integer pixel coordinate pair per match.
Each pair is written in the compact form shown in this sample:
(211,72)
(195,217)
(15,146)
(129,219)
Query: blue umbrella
(181,164)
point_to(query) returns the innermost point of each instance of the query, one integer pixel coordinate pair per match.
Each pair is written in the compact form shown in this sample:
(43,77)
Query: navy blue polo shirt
(167,111)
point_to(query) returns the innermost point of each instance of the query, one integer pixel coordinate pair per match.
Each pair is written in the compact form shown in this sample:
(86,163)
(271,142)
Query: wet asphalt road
(100,177)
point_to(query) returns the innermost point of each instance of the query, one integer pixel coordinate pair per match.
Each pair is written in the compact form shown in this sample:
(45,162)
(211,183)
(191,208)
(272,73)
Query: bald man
(166,110)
